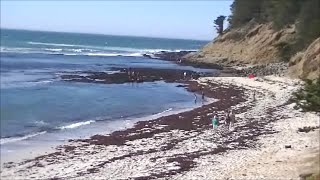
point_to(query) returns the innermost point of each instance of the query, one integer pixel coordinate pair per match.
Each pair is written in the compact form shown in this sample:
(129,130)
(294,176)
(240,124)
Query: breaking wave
(84,50)
(75,125)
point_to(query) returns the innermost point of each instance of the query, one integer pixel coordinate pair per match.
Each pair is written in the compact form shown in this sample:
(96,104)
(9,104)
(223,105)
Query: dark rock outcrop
(133,75)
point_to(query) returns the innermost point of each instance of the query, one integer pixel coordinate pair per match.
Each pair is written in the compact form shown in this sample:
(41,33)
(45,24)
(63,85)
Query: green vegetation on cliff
(305,14)
(308,98)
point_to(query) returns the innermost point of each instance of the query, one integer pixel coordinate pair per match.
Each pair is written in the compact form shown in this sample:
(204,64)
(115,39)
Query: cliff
(306,64)
(257,44)
(251,44)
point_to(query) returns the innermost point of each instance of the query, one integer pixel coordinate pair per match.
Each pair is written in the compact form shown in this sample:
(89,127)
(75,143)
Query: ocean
(38,108)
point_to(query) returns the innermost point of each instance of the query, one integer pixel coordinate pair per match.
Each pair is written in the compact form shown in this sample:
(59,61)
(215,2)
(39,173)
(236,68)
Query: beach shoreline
(184,146)
(114,76)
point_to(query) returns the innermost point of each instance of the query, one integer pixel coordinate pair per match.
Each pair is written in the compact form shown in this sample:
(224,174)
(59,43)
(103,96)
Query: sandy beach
(265,143)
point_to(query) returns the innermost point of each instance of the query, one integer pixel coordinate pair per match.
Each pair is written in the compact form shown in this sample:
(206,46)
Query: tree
(219,24)
(308,24)
(242,11)
(283,12)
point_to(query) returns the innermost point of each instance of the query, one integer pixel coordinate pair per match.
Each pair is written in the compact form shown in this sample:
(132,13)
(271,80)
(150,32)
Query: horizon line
(90,33)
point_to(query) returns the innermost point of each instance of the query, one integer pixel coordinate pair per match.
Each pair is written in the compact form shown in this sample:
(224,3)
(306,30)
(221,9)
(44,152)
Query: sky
(169,19)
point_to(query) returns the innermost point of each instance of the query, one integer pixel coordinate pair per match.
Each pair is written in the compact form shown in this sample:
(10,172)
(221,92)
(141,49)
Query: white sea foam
(53,49)
(15,139)
(75,125)
(114,54)
(167,110)
(16,49)
(40,122)
(51,44)
(77,50)
(112,72)
(5,85)
(70,54)
(135,54)
(102,54)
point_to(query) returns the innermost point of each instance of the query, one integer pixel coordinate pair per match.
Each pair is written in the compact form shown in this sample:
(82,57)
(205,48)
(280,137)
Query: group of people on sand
(196,98)
(229,120)
(134,76)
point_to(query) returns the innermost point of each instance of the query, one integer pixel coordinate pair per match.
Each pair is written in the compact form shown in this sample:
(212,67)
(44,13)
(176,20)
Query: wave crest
(50,44)
(75,125)
(14,139)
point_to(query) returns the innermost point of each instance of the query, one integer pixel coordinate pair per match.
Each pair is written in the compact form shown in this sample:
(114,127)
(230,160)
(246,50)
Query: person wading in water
(195,98)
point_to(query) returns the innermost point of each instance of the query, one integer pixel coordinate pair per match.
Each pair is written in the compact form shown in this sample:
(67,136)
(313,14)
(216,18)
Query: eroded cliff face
(306,64)
(258,44)
(250,44)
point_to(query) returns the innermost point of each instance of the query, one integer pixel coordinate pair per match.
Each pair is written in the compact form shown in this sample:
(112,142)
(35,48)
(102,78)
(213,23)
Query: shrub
(308,98)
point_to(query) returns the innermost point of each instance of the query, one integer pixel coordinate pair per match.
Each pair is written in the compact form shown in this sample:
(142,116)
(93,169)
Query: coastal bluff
(259,44)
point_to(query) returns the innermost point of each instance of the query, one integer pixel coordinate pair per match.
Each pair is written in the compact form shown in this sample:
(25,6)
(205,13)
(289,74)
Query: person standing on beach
(232,119)
(227,118)
(137,76)
(129,71)
(215,122)
(202,93)
(185,75)
(133,77)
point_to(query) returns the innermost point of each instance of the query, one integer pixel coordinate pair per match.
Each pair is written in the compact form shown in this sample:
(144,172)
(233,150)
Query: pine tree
(219,24)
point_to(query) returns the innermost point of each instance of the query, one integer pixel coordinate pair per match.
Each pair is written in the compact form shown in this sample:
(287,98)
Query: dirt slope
(306,64)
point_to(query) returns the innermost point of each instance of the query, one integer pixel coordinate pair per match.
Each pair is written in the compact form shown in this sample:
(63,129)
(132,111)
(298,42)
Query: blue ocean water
(89,44)
(37,105)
